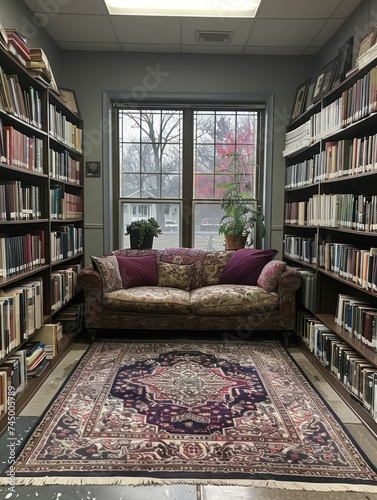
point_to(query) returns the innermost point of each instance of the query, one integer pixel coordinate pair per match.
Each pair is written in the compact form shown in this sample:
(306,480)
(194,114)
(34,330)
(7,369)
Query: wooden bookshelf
(331,189)
(40,152)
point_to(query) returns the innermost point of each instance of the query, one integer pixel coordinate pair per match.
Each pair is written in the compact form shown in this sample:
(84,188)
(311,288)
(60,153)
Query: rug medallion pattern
(176,409)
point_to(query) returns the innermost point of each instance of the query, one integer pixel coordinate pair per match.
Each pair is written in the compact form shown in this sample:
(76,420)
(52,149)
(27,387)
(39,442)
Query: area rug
(206,412)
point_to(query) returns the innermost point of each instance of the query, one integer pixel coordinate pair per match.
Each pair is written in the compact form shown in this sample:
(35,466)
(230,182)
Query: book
(47,336)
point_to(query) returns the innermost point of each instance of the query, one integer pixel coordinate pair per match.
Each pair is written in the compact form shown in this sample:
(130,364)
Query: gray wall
(91,74)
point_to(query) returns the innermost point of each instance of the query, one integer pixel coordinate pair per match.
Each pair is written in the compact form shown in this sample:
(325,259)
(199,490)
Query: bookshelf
(41,215)
(330,233)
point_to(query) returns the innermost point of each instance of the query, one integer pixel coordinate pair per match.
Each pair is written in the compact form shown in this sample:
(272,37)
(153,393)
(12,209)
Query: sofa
(190,289)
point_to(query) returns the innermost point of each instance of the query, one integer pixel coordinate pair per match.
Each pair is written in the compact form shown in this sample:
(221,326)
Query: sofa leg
(92,333)
(287,335)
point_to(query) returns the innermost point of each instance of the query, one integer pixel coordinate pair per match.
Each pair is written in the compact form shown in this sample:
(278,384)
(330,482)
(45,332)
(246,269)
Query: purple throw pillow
(138,271)
(245,266)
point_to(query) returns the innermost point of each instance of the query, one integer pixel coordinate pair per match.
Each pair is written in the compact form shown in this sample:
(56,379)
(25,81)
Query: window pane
(225,127)
(207,219)
(168,215)
(205,128)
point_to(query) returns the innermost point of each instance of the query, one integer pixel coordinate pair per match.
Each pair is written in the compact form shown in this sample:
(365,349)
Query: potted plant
(242,213)
(142,232)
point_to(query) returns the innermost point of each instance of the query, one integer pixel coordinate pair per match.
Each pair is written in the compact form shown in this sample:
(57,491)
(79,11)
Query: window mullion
(187,177)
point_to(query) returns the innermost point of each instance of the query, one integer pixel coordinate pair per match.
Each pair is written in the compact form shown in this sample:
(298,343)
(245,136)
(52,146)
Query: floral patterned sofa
(190,289)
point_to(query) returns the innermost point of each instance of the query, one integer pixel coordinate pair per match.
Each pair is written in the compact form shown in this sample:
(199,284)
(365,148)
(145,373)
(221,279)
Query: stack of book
(36,360)
(17,46)
(39,67)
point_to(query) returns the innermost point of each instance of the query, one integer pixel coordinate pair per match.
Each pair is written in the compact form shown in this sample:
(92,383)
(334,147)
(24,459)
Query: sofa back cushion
(245,266)
(186,256)
(138,271)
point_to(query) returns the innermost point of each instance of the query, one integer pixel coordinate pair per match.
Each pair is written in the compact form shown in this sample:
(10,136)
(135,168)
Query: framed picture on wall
(367,41)
(300,100)
(328,78)
(318,86)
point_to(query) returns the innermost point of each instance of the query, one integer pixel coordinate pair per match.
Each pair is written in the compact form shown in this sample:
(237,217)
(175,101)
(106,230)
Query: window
(171,164)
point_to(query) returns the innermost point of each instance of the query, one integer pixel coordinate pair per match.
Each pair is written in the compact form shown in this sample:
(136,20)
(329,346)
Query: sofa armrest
(290,280)
(91,284)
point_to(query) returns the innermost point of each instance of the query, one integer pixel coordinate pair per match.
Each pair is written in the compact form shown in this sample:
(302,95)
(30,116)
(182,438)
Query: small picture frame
(318,86)
(368,40)
(309,96)
(300,100)
(92,169)
(68,96)
(344,62)
(328,78)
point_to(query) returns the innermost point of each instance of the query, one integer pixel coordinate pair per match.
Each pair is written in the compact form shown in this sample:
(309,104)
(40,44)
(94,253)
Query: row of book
(30,361)
(20,150)
(351,263)
(19,201)
(21,253)
(339,159)
(65,131)
(359,318)
(21,313)
(340,210)
(24,103)
(64,167)
(64,205)
(300,247)
(357,375)
(66,241)
(64,285)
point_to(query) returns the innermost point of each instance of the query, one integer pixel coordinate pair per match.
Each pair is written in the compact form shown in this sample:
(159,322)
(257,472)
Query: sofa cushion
(138,271)
(186,256)
(151,299)
(214,264)
(108,268)
(270,274)
(232,300)
(245,266)
(175,275)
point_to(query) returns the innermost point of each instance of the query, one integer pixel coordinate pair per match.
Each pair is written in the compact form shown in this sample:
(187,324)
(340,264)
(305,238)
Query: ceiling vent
(216,37)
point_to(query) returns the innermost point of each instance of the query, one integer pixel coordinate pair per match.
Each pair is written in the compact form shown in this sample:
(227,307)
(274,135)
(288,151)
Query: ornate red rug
(210,412)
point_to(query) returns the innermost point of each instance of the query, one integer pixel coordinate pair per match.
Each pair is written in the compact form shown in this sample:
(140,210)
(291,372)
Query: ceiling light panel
(189,8)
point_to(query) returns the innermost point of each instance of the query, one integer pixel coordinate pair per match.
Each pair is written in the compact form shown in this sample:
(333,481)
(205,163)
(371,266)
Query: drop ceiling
(281,27)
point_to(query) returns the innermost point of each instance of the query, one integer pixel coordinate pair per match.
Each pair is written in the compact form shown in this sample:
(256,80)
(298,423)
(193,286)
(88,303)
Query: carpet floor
(209,412)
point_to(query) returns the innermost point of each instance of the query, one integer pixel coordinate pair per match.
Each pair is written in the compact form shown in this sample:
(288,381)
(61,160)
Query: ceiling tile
(92,46)
(136,29)
(145,47)
(284,32)
(79,28)
(67,7)
(298,9)
(276,51)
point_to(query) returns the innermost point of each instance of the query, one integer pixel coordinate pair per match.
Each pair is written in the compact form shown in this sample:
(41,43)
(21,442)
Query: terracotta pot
(235,242)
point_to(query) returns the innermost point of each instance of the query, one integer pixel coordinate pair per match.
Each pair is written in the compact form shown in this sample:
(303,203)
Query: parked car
(210,224)
(171,225)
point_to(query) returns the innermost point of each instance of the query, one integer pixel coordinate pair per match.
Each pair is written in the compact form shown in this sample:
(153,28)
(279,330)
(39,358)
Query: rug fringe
(150,481)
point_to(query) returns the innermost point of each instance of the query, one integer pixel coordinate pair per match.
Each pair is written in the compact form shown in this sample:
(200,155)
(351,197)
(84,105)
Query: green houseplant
(142,232)
(242,213)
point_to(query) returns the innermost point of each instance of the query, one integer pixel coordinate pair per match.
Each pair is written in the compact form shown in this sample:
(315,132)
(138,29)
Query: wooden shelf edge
(34,384)
(339,388)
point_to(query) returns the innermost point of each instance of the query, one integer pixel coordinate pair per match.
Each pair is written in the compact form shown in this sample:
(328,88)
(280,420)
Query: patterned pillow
(269,276)
(175,275)
(214,263)
(108,268)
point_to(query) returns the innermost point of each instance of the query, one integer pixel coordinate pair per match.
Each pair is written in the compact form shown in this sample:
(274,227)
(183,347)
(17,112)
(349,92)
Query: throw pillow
(108,268)
(175,275)
(245,266)
(138,271)
(270,274)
